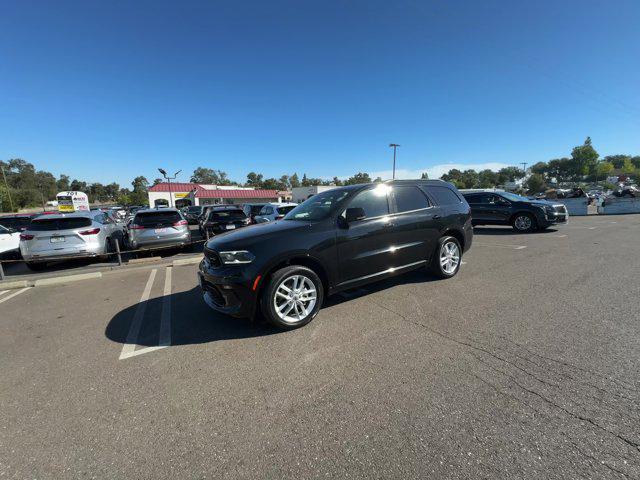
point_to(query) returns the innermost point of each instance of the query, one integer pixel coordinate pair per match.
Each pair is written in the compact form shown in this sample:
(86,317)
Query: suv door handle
(389,225)
(436,217)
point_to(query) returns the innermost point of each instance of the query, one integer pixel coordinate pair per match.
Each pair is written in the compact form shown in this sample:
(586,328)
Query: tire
(448,249)
(108,248)
(274,295)
(524,223)
(37,266)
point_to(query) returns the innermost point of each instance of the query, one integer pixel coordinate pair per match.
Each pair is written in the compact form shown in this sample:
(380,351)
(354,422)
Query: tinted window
(255,209)
(224,215)
(373,202)
(409,198)
(474,198)
(3,230)
(444,196)
(160,218)
(51,224)
(266,211)
(194,209)
(318,206)
(15,222)
(285,210)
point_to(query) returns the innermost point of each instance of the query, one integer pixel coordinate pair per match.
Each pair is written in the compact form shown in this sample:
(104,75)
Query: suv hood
(243,238)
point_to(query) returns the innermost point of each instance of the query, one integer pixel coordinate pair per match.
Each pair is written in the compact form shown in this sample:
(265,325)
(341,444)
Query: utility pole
(394,145)
(7,185)
(168,179)
(524,167)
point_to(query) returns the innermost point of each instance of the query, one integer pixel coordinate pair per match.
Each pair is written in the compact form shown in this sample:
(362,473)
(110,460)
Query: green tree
(254,180)
(210,176)
(536,183)
(305,181)
(628,168)
(424,176)
(584,159)
(63,184)
(270,184)
(540,168)
(359,177)
(604,169)
(294,181)
(283,183)
(510,174)
(487,179)
(78,186)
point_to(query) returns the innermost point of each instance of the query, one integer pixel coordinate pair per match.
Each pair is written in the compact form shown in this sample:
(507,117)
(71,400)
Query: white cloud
(436,171)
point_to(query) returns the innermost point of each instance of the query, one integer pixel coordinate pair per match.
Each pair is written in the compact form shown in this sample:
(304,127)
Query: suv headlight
(236,256)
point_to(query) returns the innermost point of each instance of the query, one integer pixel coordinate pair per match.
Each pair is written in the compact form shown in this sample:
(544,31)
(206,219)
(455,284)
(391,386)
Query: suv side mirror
(354,214)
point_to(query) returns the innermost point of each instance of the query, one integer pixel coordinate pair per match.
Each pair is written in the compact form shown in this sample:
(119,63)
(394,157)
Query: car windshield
(287,209)
(15,222)
(513,197)
(317,207)
(194,209)
(52,224)
(224,215)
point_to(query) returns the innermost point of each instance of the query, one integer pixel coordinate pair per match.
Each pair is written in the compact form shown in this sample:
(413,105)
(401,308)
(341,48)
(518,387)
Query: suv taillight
(180,223)
(133,226)
(93,231)
(26,236)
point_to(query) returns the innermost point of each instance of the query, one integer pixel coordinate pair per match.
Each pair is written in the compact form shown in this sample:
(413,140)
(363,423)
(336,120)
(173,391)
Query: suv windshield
(152,219)
(194,209)
(317,207)
(51,224)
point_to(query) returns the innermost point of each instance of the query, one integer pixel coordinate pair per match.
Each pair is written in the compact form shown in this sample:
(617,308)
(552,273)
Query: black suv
(221,219)
(335,240)
(523,214)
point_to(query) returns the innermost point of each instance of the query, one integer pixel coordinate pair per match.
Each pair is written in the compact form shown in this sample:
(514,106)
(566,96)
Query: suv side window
(474,198)
(374,202)
(409,198)
(444,195)
(267,211)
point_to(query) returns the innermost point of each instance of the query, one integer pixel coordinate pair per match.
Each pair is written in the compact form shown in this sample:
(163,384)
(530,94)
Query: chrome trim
(391,249)
(384,272)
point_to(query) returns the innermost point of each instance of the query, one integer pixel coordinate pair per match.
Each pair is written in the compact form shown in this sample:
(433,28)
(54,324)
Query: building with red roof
(184,194)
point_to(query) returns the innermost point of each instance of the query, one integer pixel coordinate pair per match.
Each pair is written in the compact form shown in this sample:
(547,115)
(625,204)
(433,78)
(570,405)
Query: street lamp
(394,145)
(168,179)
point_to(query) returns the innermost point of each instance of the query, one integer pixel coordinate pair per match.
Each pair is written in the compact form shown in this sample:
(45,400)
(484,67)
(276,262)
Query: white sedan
(9,241)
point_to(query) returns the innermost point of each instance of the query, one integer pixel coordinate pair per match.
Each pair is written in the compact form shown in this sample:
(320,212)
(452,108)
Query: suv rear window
(444,195)
(153,219)
(52,224)
(216,215)
(15,222)
(285,210)
(409,198)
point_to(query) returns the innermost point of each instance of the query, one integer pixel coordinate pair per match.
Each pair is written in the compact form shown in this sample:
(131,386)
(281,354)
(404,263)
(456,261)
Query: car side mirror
(353,214)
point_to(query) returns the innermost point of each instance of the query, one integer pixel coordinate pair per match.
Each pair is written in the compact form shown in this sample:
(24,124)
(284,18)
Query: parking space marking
(3,291)
(129,348)
(14,294)
(501,245)
(165,316)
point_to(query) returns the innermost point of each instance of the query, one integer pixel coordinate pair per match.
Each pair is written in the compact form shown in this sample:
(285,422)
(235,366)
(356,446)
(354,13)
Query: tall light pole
(394,145)
(168,179)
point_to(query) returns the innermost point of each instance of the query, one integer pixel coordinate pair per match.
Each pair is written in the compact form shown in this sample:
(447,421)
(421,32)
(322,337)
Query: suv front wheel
(293,297)
(524,222)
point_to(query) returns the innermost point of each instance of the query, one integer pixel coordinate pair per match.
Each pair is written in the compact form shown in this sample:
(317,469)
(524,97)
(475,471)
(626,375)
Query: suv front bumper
(227,290)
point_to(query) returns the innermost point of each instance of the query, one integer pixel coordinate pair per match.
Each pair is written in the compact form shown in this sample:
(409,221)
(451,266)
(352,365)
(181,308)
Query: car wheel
(293,297)
(36,266)
(524,222)
(447,258)
(108,248)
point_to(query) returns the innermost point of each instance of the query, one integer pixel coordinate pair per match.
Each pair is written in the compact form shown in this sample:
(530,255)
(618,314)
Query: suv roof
(151,210)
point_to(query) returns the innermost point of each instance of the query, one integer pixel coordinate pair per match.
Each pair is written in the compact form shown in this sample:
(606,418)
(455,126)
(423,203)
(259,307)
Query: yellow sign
(181,195)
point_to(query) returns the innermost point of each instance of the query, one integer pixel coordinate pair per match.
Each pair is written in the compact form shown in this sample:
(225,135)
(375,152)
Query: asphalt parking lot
(525,365)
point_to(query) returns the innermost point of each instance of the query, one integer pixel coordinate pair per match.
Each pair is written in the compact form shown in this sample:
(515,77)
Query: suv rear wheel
(524,222)
(293,297)
(447,258)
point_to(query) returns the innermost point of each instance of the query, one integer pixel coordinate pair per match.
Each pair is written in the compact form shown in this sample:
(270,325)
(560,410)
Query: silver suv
(60,236)
(155,228)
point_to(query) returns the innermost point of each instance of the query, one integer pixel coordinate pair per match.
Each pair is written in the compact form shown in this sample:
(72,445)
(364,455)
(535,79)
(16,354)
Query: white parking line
(129,348)
(501,245)
(165,316)
(3,291)
(14,294)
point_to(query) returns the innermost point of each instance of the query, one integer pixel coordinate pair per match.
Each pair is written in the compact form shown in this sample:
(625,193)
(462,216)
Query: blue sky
(106,91)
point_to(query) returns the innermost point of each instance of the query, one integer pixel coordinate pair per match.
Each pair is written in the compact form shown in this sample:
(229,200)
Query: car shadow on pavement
(509,231)
(192,322)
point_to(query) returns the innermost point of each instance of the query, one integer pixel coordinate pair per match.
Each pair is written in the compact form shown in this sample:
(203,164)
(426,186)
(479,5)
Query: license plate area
(230,227)
(57,239)
(160,230)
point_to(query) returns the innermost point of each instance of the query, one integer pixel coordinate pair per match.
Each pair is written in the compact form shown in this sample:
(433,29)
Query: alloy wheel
(294,298)
(523,222)
(449,257)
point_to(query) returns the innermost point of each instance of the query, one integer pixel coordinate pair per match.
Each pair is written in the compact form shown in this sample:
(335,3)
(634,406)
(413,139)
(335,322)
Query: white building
(300,194)
(184,194)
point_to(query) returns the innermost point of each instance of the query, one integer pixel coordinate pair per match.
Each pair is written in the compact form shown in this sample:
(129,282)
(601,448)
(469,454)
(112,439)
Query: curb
(15,284)
(136,261)
(69,278)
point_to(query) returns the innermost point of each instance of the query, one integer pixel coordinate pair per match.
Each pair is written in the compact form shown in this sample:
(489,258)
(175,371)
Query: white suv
(274,211)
